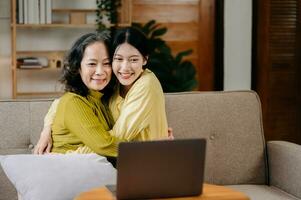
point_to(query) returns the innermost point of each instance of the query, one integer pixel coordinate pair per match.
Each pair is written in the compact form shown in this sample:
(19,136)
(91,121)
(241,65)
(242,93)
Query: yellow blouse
(141,114)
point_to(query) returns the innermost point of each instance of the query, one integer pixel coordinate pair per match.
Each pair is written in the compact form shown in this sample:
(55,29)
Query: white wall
(237,44)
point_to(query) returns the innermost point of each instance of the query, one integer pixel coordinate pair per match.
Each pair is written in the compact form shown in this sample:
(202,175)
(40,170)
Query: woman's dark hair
(71,77)
(132,36)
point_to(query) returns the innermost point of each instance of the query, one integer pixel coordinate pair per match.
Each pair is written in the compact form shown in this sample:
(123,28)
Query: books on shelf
(32,62)
(20,13)
(42,13)
(34,11)
(48,12)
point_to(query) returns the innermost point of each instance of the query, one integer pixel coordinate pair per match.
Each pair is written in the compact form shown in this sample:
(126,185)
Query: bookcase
(64,22)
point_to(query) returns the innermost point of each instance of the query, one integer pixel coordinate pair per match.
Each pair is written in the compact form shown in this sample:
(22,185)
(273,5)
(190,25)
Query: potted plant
(174,73)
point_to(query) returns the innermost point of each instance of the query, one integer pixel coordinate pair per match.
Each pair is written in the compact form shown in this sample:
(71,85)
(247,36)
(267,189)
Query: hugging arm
(44,144)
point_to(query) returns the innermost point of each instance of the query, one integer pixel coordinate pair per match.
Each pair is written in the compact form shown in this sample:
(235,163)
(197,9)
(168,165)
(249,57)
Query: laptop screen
(158,169)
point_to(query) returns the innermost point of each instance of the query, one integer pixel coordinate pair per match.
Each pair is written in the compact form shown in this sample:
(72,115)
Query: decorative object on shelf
(174,73)
(107,13)
(77,18)
(56,59)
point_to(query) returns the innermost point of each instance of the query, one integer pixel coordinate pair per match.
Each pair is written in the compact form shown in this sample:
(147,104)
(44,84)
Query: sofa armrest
(284,160)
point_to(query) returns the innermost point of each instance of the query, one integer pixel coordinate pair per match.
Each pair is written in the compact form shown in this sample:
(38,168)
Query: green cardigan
(83,121)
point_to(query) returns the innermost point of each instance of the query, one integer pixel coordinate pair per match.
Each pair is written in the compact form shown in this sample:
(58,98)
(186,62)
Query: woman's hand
(170,134)
(45,142)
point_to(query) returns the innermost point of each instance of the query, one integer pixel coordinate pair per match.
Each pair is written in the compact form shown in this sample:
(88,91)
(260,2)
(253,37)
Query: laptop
(160,169)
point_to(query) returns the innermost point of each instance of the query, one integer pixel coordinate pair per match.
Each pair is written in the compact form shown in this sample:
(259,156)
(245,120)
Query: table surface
(210,192)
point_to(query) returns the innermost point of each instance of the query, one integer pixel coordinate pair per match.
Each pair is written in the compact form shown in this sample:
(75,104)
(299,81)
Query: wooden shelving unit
(76,21)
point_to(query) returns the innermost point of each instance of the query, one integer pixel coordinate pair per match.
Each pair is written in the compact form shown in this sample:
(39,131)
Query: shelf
(40,69)
(30,95)
(55,26)
(67,10)
(37,52)
(75,26)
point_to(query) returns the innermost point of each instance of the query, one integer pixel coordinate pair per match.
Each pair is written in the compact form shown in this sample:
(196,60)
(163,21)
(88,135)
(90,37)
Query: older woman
(81,118)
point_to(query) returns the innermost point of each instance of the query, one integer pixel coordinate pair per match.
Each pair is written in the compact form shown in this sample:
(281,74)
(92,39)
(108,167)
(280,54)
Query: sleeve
(48,119)
(135,113)
(89,128)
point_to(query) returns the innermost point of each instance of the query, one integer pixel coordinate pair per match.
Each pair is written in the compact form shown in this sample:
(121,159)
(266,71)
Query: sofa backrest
(232,124)
(230,121)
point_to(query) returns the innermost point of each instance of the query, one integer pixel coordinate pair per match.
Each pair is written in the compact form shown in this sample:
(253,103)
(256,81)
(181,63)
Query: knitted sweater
(83,121)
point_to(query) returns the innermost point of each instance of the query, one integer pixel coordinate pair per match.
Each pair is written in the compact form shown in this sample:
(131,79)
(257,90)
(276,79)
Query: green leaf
(137,25)
(159,32)
(148,26)
(181,54)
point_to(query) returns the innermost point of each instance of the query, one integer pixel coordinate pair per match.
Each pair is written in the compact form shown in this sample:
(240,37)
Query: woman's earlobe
(145,60)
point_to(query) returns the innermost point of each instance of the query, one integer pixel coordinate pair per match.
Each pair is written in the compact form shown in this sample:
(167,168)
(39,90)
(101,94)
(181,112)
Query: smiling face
(95,70)
(127,64)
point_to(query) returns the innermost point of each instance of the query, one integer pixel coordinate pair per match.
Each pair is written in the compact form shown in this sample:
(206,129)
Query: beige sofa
(237,154)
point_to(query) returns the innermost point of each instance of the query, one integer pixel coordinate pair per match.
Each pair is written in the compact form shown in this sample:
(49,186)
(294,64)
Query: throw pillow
(57,176)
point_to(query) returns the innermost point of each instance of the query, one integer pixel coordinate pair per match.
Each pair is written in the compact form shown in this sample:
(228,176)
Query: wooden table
(210,192)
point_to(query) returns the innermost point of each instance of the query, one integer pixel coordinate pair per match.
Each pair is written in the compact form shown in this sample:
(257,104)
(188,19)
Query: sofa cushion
(56,176)
(231,122)
(263,192)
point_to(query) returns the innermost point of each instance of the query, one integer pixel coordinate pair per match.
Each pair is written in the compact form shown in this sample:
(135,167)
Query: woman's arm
(45,141)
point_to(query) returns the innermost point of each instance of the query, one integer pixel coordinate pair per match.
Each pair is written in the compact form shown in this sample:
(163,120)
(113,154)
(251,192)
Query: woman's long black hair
(132,36)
